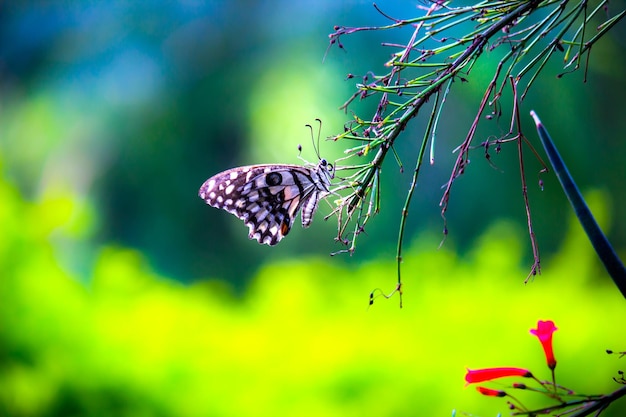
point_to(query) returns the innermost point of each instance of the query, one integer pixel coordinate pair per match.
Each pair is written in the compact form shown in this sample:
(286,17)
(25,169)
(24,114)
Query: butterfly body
(268,197)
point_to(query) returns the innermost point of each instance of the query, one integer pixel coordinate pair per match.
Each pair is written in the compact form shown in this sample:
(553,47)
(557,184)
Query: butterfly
(268,197)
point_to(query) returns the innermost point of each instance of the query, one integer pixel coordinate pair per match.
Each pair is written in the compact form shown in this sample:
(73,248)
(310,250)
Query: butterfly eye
(323,162)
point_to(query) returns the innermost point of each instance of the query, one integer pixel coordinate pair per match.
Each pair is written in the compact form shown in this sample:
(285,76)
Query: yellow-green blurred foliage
(301,341)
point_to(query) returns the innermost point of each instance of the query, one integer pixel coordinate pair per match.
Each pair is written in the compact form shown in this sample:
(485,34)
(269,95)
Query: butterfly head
(326,170)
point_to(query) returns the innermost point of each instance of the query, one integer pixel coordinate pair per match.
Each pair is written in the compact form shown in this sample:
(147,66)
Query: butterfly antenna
(313,139)
(300,146)
(319,132)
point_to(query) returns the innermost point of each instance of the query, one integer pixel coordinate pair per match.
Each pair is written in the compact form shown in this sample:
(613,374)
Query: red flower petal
(491,392)
(544,332)
(487,374)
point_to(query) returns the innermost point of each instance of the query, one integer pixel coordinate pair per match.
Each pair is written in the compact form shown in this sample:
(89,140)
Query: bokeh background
(123,294)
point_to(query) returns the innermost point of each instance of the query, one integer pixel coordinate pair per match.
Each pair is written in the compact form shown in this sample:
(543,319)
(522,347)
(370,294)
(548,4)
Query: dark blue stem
(600,243)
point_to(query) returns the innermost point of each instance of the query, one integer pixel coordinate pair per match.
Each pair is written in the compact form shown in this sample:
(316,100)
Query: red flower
(544,332)
(487,374)
(491,392)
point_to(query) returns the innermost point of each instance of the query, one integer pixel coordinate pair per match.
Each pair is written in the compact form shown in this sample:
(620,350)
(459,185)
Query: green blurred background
(123,294)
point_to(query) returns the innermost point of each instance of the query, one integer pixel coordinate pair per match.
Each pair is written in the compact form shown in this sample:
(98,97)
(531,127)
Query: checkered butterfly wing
(268,197)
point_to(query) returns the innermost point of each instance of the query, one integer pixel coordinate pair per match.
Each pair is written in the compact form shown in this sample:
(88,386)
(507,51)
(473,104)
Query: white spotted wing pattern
(268,197)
